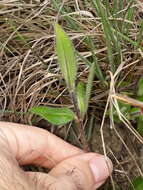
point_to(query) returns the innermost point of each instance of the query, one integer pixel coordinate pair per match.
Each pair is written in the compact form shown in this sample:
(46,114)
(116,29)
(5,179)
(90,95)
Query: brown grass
(30,76)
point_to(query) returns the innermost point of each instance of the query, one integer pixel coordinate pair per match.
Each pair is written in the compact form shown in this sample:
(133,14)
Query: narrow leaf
(140,125)
(108,35)
(81,98)
(98,71)
(56,116)
(89,84)
(140,87)
(66,57)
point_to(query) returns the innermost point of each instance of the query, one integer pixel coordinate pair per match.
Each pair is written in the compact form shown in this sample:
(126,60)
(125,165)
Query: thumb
(85,172)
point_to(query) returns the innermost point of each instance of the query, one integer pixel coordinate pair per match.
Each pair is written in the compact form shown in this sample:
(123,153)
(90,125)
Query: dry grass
(29,74)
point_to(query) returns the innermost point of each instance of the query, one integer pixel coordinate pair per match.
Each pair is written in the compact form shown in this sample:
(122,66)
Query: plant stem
(79,122)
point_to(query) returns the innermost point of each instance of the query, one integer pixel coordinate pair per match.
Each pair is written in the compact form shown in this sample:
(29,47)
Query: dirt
(126,156)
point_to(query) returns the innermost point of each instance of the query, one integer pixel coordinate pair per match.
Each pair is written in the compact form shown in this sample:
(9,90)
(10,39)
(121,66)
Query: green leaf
(89,84)
(125,110)
(98,70)
(135,113)
(140,125)
(81,98)
(140,98)
(56,116)
(140,87)
(137,184)
(66,57)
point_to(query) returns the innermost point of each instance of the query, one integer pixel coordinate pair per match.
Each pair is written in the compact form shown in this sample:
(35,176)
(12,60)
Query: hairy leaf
(66,57)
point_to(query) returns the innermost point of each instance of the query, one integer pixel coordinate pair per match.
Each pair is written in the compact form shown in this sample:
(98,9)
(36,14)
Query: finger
(86,171)
(32,145)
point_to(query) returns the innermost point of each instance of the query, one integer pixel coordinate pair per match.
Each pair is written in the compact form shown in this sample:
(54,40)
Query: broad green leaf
(137,184)
(56,116)
(81,98)
(140,125)
(140,87)
(66,57)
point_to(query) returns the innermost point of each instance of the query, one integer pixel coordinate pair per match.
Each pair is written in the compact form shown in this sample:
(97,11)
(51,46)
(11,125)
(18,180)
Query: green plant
(137,183)
(135,112)
(79,94)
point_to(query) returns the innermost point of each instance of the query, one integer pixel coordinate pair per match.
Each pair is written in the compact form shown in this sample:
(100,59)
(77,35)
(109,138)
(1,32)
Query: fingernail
(101,168)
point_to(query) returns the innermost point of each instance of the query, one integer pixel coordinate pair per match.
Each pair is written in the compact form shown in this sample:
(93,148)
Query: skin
(71,168)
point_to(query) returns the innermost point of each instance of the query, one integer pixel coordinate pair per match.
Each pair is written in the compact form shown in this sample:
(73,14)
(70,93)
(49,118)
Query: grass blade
(107,31)
(111,37)
(89,84)
(98,71)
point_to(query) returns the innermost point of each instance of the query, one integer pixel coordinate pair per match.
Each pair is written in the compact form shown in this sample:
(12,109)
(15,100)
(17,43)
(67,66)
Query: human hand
(71,168)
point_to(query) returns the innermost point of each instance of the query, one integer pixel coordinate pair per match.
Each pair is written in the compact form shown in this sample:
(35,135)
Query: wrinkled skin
(71,168)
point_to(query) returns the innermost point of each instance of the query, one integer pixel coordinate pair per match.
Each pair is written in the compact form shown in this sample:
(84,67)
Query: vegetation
(98,89)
